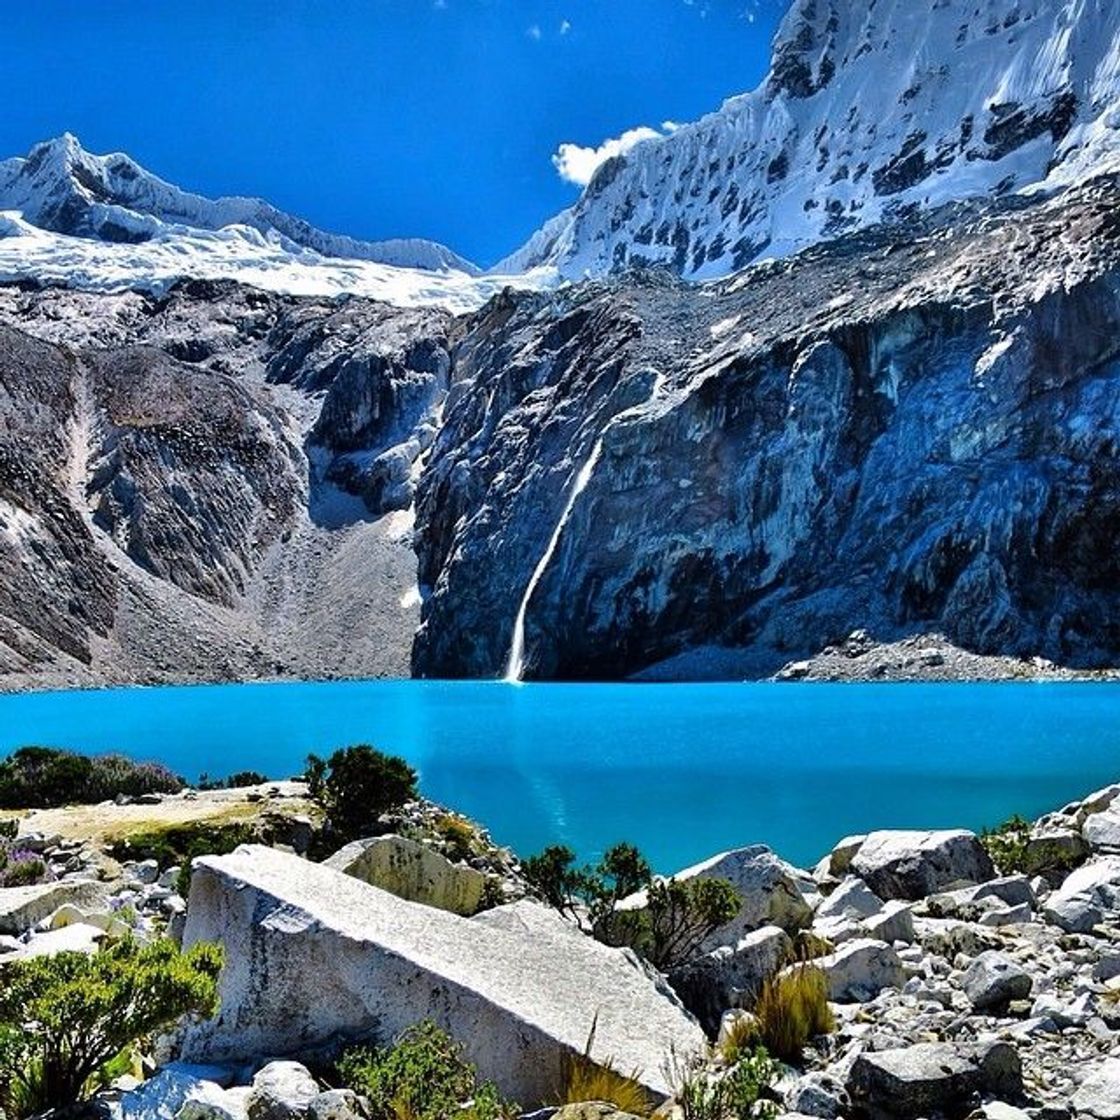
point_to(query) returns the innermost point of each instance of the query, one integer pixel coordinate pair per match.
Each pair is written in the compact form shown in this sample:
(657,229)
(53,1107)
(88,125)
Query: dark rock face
(900,431)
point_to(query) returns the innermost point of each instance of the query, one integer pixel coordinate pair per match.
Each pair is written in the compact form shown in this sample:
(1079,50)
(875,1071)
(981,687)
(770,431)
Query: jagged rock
(912,865)
(895,922)
(24,907)
(729,976)
(1102,831)
(1085,896)
(993,980)
(820,1095)
(1054,850)
(859,969)
(312,954)
(211,1102)
(851,899)
(933,1077)
(163,1095)
(282,1091)
(838,862)
(1098,1095)
(337,1104)
(412,871)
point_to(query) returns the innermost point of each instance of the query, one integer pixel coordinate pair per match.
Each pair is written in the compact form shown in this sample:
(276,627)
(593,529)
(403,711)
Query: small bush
(20,867)
(423,1075)
(678,916)
(458,835)
(64,1018)
(357,785)
(739,1094)
(583,1079)
(45,778)
(792,1008)
(740,1039)
(180,843)
(1006,845)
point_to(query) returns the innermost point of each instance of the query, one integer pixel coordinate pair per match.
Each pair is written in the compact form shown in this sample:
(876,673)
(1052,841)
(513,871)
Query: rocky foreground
(959,987)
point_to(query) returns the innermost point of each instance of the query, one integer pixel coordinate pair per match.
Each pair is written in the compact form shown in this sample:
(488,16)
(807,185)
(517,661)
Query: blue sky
(382,118)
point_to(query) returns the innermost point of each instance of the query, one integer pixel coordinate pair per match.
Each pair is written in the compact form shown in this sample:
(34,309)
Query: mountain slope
(871,109)
(61,187)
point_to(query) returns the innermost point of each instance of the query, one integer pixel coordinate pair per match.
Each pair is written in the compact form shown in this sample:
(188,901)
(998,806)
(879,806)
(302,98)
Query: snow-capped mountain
(871,107)
(61,187)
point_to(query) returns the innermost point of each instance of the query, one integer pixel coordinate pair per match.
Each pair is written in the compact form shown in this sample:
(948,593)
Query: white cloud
(577,164)
(534,33)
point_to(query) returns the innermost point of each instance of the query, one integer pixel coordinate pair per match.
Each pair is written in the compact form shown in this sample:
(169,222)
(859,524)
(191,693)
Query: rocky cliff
(908,429)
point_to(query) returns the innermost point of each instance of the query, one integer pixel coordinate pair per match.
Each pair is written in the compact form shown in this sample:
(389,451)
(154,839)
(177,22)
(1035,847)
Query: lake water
(684,771)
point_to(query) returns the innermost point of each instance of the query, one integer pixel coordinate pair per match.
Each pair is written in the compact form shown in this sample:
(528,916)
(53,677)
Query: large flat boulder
(22,908)
(413,871)
(312,954)
(911,864)
(932,1078)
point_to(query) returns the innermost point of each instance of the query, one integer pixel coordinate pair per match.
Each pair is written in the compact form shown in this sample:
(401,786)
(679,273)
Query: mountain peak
(871,110)
(61,187)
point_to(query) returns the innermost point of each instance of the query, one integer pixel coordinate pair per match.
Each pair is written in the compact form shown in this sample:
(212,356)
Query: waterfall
(516,664)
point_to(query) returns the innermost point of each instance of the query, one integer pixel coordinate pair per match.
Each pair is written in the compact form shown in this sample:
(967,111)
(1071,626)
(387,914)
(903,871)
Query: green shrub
(740,1094)
(678,916)
(792,1008)
(20,867)
(178,844)
(44,778)
(237,780)
(64,1018)
(423,1075)
(459,836)
(356,785)
(1006,845)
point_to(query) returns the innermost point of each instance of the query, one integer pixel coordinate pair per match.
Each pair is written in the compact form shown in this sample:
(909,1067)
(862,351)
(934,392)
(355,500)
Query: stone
(413,871)
(144,872)
(912,865)
(77,937)
(312,954)
(860,969)
(591,1110)
(211,1102)
(818,1094)
(163,1095)
(1098,1096)
(1012,890)
(336,1104)
(1006,916)
(22,908)
(1085,895)
(993,980)
(839,860)
(894,923)
(851,899)
(1052,850)
(768,887)
(730,976)
(282,1091)
(1102,831)
(932,1078)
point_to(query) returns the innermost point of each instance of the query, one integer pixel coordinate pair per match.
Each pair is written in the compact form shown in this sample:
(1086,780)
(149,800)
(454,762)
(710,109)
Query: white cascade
(515,667)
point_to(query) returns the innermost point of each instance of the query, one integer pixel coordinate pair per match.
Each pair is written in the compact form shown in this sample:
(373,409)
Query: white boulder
(912,865)
(860,969)
(312,953)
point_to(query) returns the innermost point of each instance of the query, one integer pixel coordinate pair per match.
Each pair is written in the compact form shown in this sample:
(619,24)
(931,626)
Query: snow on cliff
(871,107)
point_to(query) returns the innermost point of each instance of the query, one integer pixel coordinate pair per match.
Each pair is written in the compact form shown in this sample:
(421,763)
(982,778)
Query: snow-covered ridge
(61,187)
(871,107)
(103,223)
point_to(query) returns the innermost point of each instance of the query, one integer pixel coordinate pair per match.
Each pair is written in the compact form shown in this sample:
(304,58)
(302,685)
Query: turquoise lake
(684,771)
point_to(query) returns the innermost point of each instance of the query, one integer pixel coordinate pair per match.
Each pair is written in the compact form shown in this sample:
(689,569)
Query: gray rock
(894,923)
(282,1091)
(163,1096)
(860,969)
(337,1104)
(931,1078)
(412,871)
(1054,850)
(993,980)
(820,1095)
(1098,1096)
(1085,896)
(1102,831)
(21,908)
(851,899)
(912,865)
(312,954)
(730,976)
